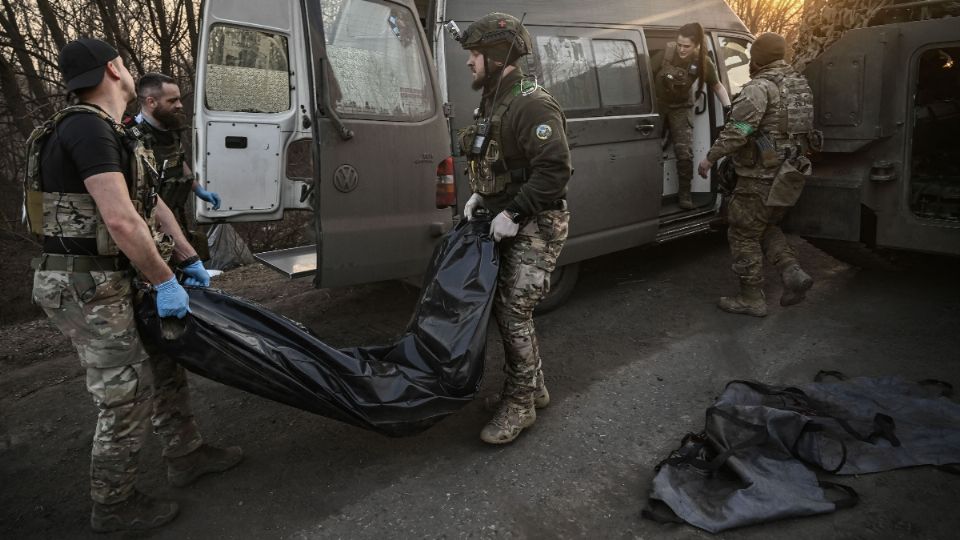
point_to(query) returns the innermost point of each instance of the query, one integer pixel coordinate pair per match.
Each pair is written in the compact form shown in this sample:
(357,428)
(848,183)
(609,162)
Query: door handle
(235,142)
(645,129)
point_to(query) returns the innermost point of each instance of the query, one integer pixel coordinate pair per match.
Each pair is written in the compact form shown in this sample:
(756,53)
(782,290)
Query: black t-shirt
(82,145)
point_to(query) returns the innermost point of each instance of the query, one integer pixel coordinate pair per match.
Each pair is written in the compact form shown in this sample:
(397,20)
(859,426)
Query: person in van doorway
(91,194)
(769,134)
(160,122)
(518,167)
(683,63)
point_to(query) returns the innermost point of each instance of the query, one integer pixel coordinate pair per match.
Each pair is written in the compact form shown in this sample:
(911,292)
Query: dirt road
(632,361)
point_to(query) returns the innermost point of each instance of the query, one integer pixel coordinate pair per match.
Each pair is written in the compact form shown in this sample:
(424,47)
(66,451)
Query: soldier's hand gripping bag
(788,183)
(400,389)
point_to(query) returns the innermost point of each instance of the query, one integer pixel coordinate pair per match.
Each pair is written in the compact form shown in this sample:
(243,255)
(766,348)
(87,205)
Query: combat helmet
(493,34)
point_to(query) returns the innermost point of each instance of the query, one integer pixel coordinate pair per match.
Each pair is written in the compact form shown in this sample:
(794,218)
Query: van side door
(600,76)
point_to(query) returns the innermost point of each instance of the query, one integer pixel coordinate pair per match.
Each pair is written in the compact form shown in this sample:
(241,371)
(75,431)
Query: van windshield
(377,60)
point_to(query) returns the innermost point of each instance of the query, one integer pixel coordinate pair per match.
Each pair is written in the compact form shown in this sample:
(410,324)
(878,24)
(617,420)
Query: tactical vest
(675,81)
(75,215)
(488,171)
(175,186)
(794,114)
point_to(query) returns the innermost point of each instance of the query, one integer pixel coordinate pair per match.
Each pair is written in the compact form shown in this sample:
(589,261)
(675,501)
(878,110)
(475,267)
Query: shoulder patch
(544,132)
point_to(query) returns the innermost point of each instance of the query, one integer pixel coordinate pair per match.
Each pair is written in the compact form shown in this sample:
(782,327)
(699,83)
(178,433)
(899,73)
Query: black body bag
(398,390)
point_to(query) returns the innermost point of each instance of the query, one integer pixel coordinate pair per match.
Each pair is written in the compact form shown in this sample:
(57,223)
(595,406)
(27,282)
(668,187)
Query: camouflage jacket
(533,137)
(756,108)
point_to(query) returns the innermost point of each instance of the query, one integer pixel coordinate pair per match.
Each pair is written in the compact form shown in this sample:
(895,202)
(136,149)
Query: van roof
(712,14)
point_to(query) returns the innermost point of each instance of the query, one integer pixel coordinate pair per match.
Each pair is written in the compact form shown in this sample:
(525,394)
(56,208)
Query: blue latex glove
(197,275)
(208,196)
(172,300)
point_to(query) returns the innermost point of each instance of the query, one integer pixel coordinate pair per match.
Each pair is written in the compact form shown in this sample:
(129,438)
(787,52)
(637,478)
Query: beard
(171,119)
(479,83)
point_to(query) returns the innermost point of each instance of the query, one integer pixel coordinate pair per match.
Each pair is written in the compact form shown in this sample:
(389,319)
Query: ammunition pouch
(176,191)
(789,181)
(767,154)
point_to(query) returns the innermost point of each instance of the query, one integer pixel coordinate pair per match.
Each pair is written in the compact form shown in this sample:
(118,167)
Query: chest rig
(175,185)
(75,215)
(675,81)
(487,168)
(790,122)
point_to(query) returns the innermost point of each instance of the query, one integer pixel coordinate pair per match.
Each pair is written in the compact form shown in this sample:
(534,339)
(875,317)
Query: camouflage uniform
(90,299)
(674,79)
(523,171)
(776,102)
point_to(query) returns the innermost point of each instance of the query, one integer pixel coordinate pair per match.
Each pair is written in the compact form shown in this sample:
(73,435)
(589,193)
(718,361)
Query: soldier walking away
(681,64)
(160,122)
(91,192)
(769,134)
(518,167)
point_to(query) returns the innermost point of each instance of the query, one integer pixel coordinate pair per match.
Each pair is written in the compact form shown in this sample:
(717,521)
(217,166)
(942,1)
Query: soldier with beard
(160,122)
(518,167)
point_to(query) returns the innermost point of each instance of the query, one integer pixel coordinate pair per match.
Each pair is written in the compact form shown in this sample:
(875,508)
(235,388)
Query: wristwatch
(514,216)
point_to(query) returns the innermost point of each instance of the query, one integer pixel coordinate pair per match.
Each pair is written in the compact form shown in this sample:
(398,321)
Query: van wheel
(562,282)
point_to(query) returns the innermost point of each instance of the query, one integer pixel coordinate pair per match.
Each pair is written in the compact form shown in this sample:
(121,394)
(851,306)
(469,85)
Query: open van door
(351,80)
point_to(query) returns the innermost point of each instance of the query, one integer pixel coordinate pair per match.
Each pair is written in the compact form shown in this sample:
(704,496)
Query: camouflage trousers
(754,230)
(131,389)
(680,122)
(526,262)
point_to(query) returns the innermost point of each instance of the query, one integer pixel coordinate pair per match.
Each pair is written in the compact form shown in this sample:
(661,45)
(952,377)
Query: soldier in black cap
(91,192)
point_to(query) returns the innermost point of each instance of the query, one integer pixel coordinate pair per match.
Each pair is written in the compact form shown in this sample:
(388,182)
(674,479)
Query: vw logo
(346,178)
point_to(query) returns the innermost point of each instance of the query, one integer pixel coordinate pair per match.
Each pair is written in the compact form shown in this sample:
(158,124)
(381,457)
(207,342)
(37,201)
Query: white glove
(503,227)
(473,202)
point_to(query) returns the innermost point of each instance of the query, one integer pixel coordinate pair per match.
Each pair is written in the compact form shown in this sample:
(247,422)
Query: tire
(562,282)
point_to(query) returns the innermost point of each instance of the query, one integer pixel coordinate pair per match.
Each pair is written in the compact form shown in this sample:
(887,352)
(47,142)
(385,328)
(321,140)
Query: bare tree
(780,16)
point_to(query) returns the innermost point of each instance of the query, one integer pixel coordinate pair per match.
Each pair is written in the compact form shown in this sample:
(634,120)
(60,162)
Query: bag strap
(850,498)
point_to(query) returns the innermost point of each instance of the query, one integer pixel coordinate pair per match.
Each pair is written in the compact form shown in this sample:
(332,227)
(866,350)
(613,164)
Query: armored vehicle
(887,98)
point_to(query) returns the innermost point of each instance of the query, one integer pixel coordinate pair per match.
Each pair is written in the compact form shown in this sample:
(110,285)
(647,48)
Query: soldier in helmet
(769,134)
(160,120)
(683,63)
(92,196)
(518,167)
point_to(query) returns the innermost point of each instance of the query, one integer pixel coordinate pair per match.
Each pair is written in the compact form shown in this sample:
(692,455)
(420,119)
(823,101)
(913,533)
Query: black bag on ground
(401,389)
(752,463)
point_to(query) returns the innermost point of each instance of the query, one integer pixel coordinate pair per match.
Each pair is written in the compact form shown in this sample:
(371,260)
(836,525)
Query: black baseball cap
(83,61)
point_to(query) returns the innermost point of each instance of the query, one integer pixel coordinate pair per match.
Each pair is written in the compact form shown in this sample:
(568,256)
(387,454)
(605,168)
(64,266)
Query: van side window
(378,61)
(247,71)
(592,77)
(568,72)
(618,72)
(735,57)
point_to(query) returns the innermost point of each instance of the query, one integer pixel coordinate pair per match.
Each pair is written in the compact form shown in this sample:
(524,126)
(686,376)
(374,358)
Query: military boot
(796,283)
(750,301)
(510,419)
(183,471)
(541,397)
(137,513)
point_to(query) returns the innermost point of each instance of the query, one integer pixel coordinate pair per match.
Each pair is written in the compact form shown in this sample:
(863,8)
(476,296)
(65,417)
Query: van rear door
(365,98)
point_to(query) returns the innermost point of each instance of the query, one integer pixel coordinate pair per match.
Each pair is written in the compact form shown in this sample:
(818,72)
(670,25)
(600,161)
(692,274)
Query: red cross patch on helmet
(502,23)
